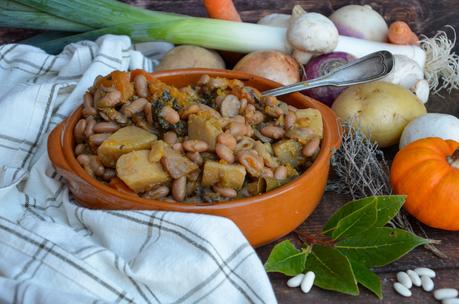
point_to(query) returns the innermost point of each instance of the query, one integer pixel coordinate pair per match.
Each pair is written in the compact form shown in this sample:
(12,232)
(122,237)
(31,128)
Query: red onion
(322,65)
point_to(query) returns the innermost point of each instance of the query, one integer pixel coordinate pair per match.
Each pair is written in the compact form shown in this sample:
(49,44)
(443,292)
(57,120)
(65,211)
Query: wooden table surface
(425,16)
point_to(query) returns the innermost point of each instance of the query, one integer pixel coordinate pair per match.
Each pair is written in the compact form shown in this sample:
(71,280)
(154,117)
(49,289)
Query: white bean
(296,280)
(404,279)
(424,271)
(427,283)
(308,281)
(450,301)
(179,188)
(230,106)
(170,115)
(445,293)
(414,277)
(225,192)
(402,290)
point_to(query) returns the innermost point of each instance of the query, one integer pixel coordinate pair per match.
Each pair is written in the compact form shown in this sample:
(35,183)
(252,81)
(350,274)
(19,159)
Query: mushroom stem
(454,159)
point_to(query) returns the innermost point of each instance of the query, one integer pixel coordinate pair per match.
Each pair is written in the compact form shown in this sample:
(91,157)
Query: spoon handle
(369,68)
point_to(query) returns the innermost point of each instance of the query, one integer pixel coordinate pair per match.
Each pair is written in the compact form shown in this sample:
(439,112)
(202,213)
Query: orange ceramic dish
(262,218)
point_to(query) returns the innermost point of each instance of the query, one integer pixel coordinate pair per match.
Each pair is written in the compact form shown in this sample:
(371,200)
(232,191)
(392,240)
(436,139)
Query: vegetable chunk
(123,141)
(138,173)
(310,118)
(288,151)
(228,176)
(203,126)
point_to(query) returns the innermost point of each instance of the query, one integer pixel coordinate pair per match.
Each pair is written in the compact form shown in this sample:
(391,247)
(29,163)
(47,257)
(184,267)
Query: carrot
(400,33)
(222,9)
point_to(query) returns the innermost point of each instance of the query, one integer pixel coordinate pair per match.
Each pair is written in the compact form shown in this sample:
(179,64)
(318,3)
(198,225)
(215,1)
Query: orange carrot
(222,9)
(400,33)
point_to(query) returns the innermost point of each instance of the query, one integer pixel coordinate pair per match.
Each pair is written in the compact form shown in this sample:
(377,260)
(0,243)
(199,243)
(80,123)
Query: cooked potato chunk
(310,118)
(138,173)
(158,150)
(288,151)
(228,176)
(265,150)
(203,126)
(176,164)
(123,141)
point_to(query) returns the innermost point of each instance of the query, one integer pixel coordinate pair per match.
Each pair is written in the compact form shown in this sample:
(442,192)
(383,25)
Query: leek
(98,13)
(39,21)
(209,33)
(14,6)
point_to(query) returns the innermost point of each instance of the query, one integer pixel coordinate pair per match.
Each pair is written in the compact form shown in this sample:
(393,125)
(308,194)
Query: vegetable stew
(212,141)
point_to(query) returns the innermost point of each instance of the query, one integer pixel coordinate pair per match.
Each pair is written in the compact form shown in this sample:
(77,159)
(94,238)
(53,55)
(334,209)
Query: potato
(289,152)
(229,176)
(381,109)
(312,119)
(138,173)
(203,126)
(188,56)
(123,141)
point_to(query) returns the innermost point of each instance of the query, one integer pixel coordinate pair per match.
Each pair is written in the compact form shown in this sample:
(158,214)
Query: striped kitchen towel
(54,251)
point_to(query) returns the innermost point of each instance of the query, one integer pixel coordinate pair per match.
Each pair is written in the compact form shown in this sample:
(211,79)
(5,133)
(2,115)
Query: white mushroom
(311,32)
(421,90)
(406,72)
(302,57)
(277,20)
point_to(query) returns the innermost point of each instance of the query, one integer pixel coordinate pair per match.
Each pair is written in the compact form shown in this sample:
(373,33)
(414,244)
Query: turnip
(320,66)
(360,21)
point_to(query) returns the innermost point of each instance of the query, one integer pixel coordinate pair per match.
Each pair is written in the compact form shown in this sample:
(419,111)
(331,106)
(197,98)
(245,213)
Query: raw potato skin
(188,56)
(273,65)
(382,109)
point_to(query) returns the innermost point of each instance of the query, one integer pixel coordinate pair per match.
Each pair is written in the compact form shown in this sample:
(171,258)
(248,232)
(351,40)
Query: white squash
(431,125)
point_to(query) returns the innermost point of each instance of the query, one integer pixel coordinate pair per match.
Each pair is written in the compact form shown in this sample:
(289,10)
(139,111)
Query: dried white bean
(445,293)
(402,290)
(450,301)
(414,277)
(404,279)
(427,283)
(308,281)
(424,271)
(296,280)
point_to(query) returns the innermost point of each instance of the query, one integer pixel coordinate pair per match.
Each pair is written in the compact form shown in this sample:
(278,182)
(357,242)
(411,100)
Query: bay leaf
(356,222)
(379,246)
(367,278)
(387,207)
(287,259)
(333,270)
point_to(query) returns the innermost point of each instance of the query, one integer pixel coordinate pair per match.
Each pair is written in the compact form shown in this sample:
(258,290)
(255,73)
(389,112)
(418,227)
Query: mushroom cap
(312,32)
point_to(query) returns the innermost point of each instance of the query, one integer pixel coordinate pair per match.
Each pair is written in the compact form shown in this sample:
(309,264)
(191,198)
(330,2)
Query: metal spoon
(369,68)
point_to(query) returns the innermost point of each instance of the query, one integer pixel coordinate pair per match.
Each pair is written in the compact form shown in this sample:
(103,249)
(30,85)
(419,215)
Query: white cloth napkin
(54,251)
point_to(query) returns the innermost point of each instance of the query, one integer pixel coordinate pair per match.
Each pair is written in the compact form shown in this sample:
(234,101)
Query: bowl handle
(55,151)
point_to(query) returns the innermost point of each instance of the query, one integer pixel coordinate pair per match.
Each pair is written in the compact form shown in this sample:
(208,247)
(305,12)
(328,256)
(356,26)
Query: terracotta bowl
(262,219)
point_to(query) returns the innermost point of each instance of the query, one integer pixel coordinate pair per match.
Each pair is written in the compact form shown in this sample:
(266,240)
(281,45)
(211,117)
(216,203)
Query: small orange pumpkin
(427,171)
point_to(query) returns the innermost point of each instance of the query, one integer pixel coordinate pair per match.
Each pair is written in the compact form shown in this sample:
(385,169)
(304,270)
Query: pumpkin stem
(454,159)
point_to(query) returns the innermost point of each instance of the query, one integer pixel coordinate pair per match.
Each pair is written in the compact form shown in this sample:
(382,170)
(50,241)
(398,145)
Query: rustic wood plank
(425,16)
